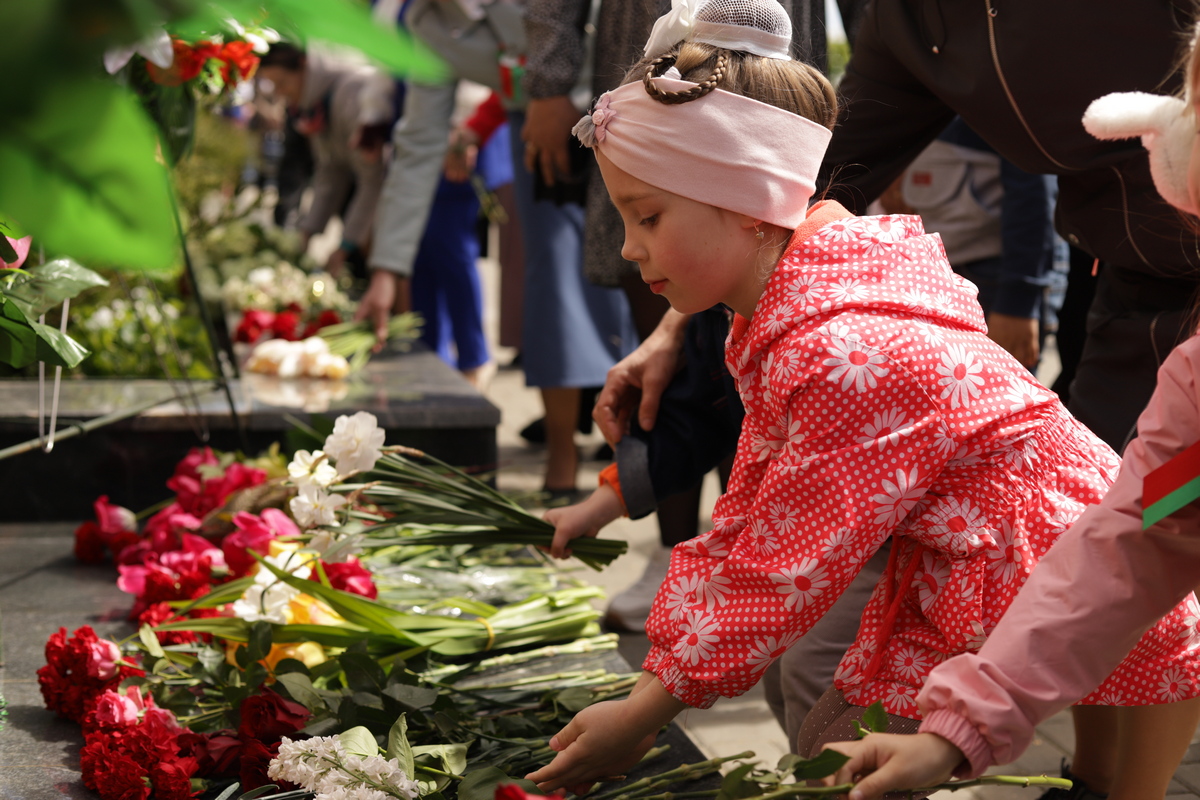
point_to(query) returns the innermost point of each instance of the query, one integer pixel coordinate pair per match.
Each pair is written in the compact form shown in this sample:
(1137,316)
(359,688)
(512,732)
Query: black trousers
(1134,322)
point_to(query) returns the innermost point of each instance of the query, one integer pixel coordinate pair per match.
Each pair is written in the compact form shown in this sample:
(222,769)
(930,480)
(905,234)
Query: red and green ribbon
(1171,487)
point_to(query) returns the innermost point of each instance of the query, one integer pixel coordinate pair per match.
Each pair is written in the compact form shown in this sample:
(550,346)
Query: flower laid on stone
(324,766)
(309,358)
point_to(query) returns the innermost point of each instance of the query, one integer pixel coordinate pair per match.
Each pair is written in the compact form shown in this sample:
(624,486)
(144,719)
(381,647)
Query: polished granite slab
(43,587)
(419,400)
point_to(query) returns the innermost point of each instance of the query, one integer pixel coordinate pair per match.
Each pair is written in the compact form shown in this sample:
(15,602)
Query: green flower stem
(681,773)
(798,790)
(592,644)
(433,771)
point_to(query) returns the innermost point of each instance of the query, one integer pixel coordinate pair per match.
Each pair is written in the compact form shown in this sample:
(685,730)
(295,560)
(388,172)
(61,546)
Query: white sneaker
(629,609)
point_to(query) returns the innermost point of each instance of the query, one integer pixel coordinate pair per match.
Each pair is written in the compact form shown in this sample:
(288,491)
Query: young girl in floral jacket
(876,409)
(1112,575)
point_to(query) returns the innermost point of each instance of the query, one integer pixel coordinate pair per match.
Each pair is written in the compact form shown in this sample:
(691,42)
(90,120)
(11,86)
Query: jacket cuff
(959,731)
(660,661)
(1018,299)
(633,465)
(609,476)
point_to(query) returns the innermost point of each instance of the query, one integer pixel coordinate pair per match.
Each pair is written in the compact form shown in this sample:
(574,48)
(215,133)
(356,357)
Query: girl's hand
(583,519)
(603,741)
(895,762)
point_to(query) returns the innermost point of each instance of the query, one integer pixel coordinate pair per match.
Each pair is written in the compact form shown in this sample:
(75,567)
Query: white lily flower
(355,443)
(316,508)
(156,48)
(313,468)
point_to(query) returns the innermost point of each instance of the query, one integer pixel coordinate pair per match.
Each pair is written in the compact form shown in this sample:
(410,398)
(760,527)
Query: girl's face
(694,254)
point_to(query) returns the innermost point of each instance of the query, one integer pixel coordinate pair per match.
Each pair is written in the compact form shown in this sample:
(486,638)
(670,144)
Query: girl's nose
(631,251)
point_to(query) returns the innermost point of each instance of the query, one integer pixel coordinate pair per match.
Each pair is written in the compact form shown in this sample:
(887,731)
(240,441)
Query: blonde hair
(791,85)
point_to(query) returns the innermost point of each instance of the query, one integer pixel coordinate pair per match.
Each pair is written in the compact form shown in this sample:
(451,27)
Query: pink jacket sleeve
(1099,588)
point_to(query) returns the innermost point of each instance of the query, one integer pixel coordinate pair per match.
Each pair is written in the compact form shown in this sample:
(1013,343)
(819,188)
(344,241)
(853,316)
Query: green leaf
(412,697)
(56,348)
(150,641)
(575,699)
(300,688)
(827,763)
(259,643)
(734,786)
(80,174)
(44,287)
(363,673)
(360,742)
(398,746)
(231,628)
(480,784)
(452,757)
(875,718)
(8,253)
(18,342)
(219,595)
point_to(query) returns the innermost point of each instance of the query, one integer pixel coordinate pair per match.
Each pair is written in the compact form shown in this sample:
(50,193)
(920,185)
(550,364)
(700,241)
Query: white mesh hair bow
(761,27)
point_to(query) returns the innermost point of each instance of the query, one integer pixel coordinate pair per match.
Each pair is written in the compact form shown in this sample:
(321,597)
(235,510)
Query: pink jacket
(876,407)
(1087,603)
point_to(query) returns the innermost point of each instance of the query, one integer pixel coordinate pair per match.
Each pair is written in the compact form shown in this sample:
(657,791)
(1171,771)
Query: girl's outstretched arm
(890,761)
(606,739)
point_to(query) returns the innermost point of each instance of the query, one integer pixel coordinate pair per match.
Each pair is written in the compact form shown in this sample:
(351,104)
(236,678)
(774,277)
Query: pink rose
(115,710)
(103,656)
(255,533)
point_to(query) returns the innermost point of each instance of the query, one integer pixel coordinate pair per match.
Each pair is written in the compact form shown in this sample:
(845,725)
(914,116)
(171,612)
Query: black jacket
(1021,74)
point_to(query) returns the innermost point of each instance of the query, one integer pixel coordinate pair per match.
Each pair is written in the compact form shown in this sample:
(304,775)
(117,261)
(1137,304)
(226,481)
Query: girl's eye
(650,220)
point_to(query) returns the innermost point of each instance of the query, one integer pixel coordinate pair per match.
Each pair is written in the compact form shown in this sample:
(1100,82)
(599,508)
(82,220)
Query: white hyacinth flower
(311,468)
(355,443)
(314,507)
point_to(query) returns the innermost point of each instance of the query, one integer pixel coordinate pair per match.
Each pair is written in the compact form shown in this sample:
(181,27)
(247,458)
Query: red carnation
(253,760)
(78,670)
(189,62)
(286,325)
(254,323)
(238,56)
(324,319)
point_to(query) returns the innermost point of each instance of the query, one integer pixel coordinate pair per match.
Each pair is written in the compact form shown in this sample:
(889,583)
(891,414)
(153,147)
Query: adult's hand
(1017,335)
(639,379)
(547,134)
(894,762)
(378,302)
(461,155)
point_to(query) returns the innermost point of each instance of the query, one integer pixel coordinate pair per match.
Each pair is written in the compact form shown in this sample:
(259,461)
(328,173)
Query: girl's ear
(746,221)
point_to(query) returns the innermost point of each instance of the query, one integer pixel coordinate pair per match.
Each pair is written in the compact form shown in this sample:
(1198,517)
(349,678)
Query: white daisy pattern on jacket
(898,497)
(802,291)
(682,594)
(847,291)
(960,376)
(1174,686)
(699,639)
(855,364)
(885,428)
(910,663)
(762,537)
(802,583)
(836,458)
(1009,553)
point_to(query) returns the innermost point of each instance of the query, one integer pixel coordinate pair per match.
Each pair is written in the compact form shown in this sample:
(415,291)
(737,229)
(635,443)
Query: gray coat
(556,56)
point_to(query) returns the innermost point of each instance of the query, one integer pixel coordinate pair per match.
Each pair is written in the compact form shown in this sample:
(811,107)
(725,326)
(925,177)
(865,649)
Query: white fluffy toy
(1167,126)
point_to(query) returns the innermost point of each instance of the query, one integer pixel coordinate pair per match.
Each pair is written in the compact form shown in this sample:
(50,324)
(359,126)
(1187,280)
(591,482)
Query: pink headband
(722,149)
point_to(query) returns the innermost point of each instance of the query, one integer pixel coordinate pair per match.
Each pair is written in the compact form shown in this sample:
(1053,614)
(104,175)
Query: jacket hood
(837,263)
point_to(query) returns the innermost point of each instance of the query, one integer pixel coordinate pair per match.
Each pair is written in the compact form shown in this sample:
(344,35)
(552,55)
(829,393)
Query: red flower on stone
(324,319)
(268,716)
(78,670)
(254,323)
(286,325)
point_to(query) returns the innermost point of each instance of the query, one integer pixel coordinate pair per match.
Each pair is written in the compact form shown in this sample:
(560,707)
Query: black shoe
(535,432)
(587,401)
(1078,790)
(603,453)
